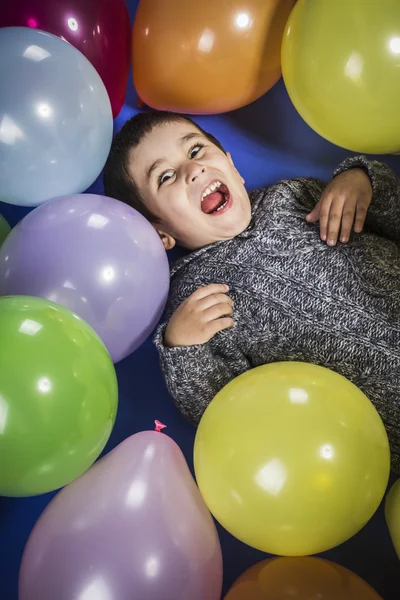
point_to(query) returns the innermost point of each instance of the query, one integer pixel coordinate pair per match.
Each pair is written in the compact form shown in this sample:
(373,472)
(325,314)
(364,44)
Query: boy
(302,285)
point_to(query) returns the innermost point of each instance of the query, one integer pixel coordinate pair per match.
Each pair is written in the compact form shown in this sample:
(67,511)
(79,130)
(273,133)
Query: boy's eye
(164,176)
(195,149)
(170,173)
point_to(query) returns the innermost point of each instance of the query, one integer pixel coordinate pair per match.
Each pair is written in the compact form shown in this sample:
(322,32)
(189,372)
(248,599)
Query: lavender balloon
(98,257)
(133,527)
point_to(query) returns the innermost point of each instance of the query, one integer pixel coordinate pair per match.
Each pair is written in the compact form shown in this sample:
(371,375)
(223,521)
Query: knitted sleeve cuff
(383,216)
(371,168)
(176,351)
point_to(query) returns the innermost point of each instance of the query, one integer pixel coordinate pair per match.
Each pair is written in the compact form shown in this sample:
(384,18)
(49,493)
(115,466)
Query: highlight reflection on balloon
(58,396)
(132,527)
(100,29)
(302,578)
(207,57)
(341,67)
(291,458)
(55,118)
(98,257)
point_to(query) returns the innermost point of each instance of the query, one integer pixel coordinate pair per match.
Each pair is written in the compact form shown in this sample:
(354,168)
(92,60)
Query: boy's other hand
(344,203)
(200,317)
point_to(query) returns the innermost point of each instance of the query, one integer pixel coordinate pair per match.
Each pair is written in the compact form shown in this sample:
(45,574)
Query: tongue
(212,202)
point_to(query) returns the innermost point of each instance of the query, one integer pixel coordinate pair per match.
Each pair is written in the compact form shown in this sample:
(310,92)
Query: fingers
(204,313)
(212,300)
(313,217)
(361,213)
(343,204)
(222,309)
(211,303)
(208,290)
(219,325)
(336,214)
(347,223)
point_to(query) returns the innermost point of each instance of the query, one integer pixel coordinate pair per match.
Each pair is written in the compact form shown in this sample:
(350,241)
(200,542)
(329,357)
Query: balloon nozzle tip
(159,426)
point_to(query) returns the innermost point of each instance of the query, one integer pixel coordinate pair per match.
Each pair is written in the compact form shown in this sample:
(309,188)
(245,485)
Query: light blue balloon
(55,118)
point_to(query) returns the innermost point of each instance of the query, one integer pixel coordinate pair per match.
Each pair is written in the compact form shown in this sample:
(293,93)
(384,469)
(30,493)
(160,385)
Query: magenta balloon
(100,29)
(133,527)
(96,256)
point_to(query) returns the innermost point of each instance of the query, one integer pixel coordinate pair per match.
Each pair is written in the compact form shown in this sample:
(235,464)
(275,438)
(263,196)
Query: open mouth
(216,199)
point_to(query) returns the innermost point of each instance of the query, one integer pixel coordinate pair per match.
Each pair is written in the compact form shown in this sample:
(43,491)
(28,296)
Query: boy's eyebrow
(183,140)
(153,167)
(190,136)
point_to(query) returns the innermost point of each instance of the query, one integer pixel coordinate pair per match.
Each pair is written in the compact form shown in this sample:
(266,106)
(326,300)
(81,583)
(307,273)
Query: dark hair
(118,183)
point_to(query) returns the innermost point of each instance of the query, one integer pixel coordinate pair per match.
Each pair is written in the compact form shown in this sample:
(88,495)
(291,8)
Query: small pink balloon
(133,527)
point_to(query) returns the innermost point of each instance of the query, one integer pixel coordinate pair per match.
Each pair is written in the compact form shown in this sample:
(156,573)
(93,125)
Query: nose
(194,171)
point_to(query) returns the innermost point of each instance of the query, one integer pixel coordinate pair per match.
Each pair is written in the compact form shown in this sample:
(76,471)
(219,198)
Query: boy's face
(191,185)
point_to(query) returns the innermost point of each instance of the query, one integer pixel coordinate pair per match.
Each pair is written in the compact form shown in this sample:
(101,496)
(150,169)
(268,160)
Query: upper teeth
(212,188)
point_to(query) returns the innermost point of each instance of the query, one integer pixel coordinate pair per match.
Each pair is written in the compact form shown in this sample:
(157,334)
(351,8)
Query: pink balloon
(133,527)
(100,29)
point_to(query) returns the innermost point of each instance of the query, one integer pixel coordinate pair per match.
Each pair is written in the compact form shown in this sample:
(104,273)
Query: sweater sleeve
(195,374)
(383,215)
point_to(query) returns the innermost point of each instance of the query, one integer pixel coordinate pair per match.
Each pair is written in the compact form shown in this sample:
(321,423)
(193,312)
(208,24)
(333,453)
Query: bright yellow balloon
(392,513)
(341,67)
(291,458)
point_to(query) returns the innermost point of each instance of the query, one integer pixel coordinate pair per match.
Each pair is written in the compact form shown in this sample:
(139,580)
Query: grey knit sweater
(297,299)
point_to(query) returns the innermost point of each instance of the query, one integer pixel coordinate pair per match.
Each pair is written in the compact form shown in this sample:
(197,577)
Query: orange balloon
(207,57)
(303,578)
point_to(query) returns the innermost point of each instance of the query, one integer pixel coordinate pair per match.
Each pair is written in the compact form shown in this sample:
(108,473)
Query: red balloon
(100,29)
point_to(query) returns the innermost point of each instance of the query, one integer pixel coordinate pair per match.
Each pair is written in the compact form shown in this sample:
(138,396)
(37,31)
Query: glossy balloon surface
(207,57)
(303,578)
(291,458)
(341,66)
(98,257)
(55,118)
(100,29)
(133,527)
(58,396)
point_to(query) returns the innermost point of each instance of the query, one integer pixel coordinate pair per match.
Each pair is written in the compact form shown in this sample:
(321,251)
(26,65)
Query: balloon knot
(159,426)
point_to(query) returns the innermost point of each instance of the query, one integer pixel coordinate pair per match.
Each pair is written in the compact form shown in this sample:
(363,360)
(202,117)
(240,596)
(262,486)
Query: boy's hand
(344,202)
(198,318)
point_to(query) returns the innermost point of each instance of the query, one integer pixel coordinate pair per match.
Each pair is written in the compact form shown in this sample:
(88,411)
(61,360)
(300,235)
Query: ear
(167,239)
(233,165)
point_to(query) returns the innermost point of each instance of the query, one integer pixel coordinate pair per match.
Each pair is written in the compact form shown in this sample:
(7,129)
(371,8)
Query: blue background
(268,141)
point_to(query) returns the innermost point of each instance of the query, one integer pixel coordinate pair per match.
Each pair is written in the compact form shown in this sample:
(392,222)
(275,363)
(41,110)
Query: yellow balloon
(291,458)
(341,67)
(392,513)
